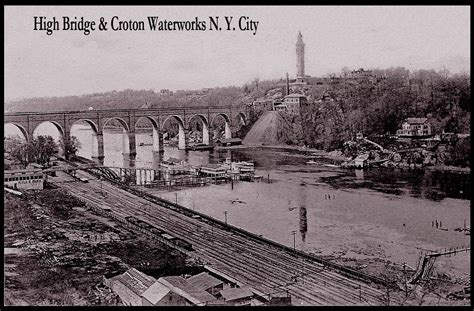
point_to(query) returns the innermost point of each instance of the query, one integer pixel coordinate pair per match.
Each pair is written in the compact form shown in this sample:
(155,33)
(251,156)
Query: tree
(70,146)
(42,148)
(17,148)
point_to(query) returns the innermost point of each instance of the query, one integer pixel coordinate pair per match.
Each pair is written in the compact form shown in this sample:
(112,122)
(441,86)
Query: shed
(180,286)
(160,295)
(237,296)
(206,282)
(130,285)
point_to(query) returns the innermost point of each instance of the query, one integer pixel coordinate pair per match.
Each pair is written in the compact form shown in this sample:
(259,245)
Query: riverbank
(448,168)
(338,157)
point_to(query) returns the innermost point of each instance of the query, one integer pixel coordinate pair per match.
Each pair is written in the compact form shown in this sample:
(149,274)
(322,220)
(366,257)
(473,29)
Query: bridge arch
(181,130)
(94,150)
(157,139)
(126,143)
(205,127)
(120,120)
(242,117)
(22,130)
(91,123)
(56,125)
(227,131)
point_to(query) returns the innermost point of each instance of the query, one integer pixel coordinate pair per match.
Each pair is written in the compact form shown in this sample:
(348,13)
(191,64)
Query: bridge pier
(157,141)
(205,134)
(98,148)
(183,137)
(227,131)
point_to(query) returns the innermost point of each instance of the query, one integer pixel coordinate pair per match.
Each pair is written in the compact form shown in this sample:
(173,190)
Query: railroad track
(261,266)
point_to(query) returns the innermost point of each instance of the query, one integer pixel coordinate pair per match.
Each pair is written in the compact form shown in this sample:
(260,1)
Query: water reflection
(303,224)
(432,185)
(428,184)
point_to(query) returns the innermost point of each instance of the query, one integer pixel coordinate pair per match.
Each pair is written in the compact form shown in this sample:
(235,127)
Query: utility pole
(294,239)
(176,198)
(225,215)
(405,276)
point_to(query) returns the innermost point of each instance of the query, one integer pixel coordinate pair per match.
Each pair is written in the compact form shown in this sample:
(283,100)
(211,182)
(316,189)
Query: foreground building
(24,179)
(138,289)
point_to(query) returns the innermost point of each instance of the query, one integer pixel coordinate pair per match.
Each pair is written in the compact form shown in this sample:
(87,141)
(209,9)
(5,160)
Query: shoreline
(339,157)
(316,152)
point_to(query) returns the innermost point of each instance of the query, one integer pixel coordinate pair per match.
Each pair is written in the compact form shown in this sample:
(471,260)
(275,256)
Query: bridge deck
(262,266)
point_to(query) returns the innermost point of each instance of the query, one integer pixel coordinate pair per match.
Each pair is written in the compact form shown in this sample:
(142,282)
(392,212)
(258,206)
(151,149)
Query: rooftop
(22,171)
(173,160)
(211,166)
(236,293)
(294,95)
(204,281)
(156,292)
(134,280)
(416,120)
(180,286)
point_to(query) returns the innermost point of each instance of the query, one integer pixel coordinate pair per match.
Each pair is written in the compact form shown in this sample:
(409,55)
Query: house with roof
(415,127)
(294,102)
(130,285)
(280,106)
(262,104)
(237,296)
(191,294)
(207,282)
(159,294)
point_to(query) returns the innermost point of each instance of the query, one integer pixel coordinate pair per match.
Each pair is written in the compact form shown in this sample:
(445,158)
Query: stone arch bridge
(27,122)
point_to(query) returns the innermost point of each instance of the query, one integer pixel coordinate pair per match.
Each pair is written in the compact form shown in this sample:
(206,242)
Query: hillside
(270,129)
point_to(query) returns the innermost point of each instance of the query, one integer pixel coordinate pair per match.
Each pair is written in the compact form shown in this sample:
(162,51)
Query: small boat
(331,165)
(201,147)
(312,162)
(444,229)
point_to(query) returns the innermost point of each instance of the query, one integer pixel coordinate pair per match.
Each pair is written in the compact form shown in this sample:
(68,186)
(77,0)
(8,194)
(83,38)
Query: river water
(377,213)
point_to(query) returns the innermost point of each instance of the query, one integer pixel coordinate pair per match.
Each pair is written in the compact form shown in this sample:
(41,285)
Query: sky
(71,63)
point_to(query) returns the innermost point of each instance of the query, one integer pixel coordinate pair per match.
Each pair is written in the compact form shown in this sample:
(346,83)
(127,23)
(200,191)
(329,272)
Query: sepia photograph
(237,156)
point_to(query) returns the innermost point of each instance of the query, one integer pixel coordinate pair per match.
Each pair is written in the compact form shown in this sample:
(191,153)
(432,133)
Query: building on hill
(262,104)
(291,104)
(280,106)
(415,127)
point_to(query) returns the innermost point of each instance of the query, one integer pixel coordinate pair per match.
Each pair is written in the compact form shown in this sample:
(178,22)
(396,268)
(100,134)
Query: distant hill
(132,99)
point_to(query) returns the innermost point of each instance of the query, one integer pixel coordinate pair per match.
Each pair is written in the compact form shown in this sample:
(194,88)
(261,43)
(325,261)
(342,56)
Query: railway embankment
(57,251)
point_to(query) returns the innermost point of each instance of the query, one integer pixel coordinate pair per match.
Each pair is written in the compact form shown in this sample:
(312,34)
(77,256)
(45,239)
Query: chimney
(287,85)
